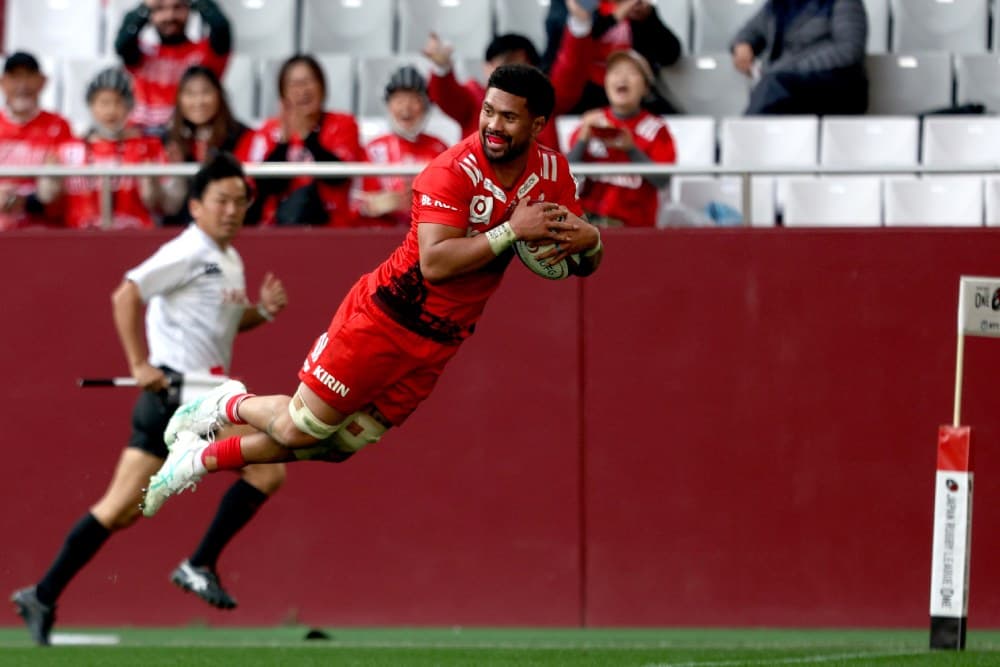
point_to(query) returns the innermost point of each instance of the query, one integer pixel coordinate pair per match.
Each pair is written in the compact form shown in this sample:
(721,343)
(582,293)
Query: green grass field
(245,647)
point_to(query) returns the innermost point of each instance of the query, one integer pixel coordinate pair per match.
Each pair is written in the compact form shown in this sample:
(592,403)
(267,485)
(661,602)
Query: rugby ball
(529,251)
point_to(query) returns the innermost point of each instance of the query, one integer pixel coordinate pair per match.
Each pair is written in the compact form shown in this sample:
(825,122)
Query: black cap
(20,59)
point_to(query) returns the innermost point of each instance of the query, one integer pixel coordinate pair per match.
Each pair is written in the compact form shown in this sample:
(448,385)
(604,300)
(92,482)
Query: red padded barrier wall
(755,418)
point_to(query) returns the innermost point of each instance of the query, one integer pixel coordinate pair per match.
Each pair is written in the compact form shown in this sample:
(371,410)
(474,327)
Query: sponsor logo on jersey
(528,184)
(495,190)
(212,269)
(426,200)
(480,210)
(330,382)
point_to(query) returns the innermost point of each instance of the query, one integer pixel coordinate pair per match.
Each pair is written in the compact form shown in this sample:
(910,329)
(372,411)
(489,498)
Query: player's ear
(537,125)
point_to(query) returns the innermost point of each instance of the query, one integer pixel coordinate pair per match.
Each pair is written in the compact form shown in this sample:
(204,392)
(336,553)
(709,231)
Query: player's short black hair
(528,82)
(219,166)
(509,42)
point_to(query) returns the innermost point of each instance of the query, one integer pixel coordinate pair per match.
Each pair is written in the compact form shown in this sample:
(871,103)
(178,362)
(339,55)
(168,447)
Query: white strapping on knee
(307,422)
(358,431)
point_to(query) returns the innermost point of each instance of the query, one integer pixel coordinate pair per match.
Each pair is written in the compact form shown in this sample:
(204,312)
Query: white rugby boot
(182,470)
(205,414)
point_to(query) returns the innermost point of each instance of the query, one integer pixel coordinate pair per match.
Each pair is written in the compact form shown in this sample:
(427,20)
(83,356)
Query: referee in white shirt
(192,291)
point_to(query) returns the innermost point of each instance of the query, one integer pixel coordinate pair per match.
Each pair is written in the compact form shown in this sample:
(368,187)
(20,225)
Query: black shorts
(150,415)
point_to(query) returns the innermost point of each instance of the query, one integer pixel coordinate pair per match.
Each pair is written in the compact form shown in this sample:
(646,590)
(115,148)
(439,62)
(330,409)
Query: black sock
(237,507)
(83,541)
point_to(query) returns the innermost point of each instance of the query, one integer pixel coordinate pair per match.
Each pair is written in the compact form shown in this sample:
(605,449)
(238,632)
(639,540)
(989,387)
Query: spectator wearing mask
(202,123)
(807,57)
(304,132)
(29,136)
(386,199)
(157,67)
(590,37)
(623,132)
(109,141)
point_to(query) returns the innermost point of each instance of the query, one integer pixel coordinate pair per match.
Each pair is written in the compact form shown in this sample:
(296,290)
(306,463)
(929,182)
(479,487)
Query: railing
(291,169)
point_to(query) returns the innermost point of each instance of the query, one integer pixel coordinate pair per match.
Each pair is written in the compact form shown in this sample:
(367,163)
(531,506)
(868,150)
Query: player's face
(198,101)
(21,87)
(221,209)
(169,17)
(506,127)
(407,110)
(624,84)
(109,109)
(303,91)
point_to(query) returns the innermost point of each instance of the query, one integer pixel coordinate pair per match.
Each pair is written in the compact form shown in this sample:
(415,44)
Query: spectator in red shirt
(29,135)
(201,124)
(109,141)
(623,132)
(304,132)
(158,67)
(386,199)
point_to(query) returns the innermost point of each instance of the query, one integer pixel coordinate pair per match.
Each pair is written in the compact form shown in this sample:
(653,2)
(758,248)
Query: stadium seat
(60,29)
(374,73)
(525,17)
(51,96)
(706,85)
(240,82)
(841,201)
(694,139)
(338,69)
(359,27)
(470,68)
(697,192)
(262,28)
(961,140)
(992,186)
(903,84)
(565,126)
(878,25)
(786,141)
(960,26)
(438,125)
(716,22)
(114,12)
(976,80)
(869,141)
(676,15)
(934,200)
(466,24)
(76,74)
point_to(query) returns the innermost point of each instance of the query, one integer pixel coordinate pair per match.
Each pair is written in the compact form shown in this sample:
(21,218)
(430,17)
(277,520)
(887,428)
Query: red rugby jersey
(394,149)
(631,199)
(82,194)
(31,143)
(460,189)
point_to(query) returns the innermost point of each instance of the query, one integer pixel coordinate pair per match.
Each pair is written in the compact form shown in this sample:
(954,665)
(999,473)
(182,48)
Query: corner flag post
(978,315)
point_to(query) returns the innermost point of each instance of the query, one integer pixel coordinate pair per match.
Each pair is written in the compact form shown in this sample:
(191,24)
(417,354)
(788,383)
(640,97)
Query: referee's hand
(150,378)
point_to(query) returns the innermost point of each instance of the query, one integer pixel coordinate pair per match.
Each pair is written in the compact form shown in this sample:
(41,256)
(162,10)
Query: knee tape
(306,421)
(358,431)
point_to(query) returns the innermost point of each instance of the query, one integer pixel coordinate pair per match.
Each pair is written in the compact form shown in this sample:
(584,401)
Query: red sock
(233,408)
(227,453)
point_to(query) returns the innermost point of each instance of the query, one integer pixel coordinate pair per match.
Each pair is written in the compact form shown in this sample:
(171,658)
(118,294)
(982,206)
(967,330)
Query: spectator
(623,132)
(590,37)
(303,132)
(807,57)
(109,141)
(464,101)
(386,199)
(29,136)
(157,68)
(202,123)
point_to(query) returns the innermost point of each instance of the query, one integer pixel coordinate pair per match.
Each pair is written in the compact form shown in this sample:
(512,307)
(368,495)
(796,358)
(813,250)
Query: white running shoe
(203,415)
(182,470)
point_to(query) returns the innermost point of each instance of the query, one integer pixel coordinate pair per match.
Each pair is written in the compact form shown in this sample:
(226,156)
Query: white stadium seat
(992,186)
(841,201)
(961,140)
(465,24)
(524,17)
(707,84)
(438,125)
(901,84)
(767,141)
(697,192)
(55,28)
(694,139)
(716,22)
(869,141)
(338,68)
(262,28)
(565,127)
(359,27)
(76,74)
(954,201)
(976,77)
(960,26)
(878,25)
(240,82)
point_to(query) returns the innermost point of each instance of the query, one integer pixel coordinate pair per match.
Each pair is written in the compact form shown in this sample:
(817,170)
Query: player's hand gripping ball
(529,252)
